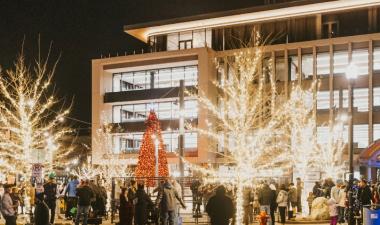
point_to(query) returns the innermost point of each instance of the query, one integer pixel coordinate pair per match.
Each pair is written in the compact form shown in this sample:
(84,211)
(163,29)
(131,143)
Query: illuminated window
(131,142)
(360,59)
(293,62)
(361,135)
(361,99)
(340,62)
(322,135)
(164,110)
(376,131)
(323,64)
(376,96)
(336,99)
(307,66)
(323,100)
(376,58)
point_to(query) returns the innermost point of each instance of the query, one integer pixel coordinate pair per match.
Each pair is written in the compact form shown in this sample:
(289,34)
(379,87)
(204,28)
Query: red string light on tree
(146,164)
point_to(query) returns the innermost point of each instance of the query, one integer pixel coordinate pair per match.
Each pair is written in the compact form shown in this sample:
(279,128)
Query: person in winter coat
(266,198)
(41,211)
(85,196)
(342,203)
(142,204)
(299,186)
(167,203)
(125,209)
(8,207)
(273,204)
(333,211)
(220,207)
(292,197)
(70,195)
(365,193)
(282,202)
(50,191)
(335,191)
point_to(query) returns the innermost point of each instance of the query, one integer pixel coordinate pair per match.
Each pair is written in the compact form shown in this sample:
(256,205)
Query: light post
(351,75)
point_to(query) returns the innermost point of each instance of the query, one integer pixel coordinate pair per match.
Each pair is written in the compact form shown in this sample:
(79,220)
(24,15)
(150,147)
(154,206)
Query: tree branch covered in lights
(246,120)
(30,126)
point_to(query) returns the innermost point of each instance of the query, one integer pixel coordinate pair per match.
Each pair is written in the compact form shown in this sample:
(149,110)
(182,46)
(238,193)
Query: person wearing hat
(41,211)
(50,192)
(8,207)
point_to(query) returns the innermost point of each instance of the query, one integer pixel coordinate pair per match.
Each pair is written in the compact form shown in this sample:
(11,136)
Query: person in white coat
(282,202)
(342,203)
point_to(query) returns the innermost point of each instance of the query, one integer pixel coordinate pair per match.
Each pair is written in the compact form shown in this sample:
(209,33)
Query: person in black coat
(365,193)
(220,207)
(41,211)
(142,205)
(125,209)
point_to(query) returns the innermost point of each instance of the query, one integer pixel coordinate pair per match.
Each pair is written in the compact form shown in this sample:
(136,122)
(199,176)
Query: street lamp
(351,75)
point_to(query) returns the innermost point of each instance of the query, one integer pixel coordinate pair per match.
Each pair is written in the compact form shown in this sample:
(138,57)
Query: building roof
(242,16)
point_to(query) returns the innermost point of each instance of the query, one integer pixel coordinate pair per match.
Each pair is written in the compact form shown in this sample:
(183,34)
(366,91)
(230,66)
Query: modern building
(308,40)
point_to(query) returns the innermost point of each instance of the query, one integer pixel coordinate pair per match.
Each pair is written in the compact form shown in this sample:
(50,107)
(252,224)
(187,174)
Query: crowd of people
(45,200)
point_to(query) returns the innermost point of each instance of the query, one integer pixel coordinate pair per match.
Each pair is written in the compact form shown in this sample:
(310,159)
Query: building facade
(306,40)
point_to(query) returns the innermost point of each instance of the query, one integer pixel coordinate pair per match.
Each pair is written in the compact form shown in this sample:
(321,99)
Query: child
(333,209)
(310,200)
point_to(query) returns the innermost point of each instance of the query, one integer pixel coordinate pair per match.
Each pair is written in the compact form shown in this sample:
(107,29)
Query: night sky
(81,30)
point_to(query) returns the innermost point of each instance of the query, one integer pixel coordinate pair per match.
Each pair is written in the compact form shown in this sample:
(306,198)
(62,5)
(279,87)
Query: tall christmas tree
(147,161)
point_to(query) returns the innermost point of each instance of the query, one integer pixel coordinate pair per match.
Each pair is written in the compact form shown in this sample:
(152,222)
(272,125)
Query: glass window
(280,69)
(116,82)
(116,146)
(376,58)
(323,100)
(191,140)
(336,99)
(164,110)
(127,82)
(177,75)
(167,139)
(127,113)
(307,66)
(361,135)
(172,41)
(116,114)
(293,62)
(191,75)
(360,59)
(361,99)
(199,38)
(186,35)
(140,79)
(376,131)
(163,79)
(345,98)
(323,64)
(191,109)
(340,62)
(376,96)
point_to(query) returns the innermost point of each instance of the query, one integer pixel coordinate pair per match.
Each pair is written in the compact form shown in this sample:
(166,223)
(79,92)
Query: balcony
(136,95)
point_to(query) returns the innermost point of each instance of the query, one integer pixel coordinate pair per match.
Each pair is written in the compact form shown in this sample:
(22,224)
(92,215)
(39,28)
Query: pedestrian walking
(8,207)
(333,211)
(142,205)
(267,198)
(292,194)
(70,196)
(342,203)
(85,195)
(50,192)
(220,207)
(282,202)
(167,203)
(125,209)
(41,211)
(273,203)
